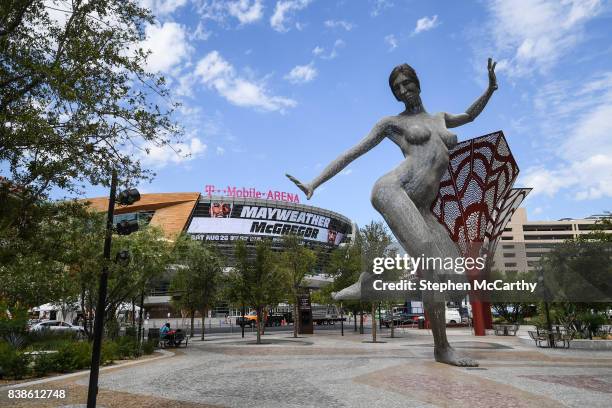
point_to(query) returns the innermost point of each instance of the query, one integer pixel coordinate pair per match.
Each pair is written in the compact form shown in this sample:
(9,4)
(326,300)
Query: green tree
(201,273)
(344,267)
(183,297)
(75,97)
(515,310)
(374,241)
(38,258)
(259,279)
(235,290)
(297,262)
(149,258)
(577,278)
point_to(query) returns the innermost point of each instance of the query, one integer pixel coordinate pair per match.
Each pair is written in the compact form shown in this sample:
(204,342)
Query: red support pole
(488,317)
(478,318)
(426,320)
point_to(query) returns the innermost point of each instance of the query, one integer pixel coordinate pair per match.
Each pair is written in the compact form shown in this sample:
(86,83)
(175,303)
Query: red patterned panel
(480,175)
(502,216)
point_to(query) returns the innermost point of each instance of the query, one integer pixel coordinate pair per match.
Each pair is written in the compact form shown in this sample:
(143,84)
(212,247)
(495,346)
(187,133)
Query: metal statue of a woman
(405,195)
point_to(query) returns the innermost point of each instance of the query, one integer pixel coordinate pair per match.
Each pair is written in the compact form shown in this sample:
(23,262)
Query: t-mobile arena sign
(251,192)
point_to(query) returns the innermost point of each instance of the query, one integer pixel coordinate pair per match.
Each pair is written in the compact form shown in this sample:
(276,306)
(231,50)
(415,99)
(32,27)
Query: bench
(538,337)
(505,329)
(175,339)
(563,337)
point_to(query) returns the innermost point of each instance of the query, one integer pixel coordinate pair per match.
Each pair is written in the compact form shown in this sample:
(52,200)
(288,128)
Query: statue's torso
(425,142)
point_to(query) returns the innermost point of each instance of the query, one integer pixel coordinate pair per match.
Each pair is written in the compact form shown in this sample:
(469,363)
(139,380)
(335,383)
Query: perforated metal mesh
(502,215)
(476,199)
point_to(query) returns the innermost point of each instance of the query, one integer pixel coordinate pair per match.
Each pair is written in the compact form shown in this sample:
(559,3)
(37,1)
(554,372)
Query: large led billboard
(229,220)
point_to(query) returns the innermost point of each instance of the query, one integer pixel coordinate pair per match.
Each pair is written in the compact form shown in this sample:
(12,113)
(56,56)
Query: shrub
(128,347)
(82,351)
(13,363)
(110,352)
(44,363)
(66,358)
(49,340)
(131,331)
(13,326)
(588,323)
(148,347)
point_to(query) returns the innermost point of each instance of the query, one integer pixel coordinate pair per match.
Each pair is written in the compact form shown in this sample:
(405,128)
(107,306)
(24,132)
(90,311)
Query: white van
(453,316)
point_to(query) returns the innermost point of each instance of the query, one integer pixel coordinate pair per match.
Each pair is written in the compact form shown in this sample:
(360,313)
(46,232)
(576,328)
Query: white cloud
(391,41)
(213,67)
(532,35)
(160,156)
(425,24)
(200,33)
(215,10)
(246,11)
(339,24)
(577,118)
(380,6)
(300,74)
(283,13)
(320,51)
(218,74)
(220,151)
(585,179)
(163,7)
(168,44)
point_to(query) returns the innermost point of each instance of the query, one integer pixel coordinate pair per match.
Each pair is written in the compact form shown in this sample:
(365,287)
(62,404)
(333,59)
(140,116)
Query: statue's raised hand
(492,78)
(304,187)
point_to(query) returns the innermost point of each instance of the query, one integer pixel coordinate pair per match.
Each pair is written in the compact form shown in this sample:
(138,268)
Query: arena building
(237,215)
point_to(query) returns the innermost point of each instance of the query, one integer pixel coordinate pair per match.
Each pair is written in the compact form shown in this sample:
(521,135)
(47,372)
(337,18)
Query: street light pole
(99,320)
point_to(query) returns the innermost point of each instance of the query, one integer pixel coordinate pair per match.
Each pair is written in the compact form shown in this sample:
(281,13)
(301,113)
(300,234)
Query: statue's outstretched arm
(376,135)
(473,111)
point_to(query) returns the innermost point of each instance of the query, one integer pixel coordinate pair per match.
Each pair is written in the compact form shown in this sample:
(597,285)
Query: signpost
(305,314)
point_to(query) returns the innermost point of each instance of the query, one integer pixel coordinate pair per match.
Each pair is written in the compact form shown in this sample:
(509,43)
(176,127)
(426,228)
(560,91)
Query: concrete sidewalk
(327,370)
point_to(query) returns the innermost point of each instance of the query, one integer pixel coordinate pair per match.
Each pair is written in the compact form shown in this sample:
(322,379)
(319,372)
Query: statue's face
(405,88)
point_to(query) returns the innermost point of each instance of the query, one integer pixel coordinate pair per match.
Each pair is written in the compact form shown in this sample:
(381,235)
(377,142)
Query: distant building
(222,221)
(523,242)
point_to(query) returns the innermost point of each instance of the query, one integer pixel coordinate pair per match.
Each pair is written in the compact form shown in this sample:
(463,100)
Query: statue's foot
(449,355)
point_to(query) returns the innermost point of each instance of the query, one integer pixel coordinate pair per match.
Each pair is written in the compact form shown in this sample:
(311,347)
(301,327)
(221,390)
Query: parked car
(57,326)
(400,319)
(453,316)
(250,319)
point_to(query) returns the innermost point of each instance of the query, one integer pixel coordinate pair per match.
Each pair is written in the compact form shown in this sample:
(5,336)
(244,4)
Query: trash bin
(421,322)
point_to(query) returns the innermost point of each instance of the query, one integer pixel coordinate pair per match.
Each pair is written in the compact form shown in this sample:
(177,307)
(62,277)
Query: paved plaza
(327,370)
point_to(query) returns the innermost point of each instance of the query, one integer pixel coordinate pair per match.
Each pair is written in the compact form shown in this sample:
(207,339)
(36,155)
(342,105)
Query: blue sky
(270,87)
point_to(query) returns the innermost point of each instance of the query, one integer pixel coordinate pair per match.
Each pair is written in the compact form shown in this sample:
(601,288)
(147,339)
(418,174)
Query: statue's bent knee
(382,191)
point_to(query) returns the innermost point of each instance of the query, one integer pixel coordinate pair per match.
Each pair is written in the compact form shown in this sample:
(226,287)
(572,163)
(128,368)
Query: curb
(165,353)
(578,344)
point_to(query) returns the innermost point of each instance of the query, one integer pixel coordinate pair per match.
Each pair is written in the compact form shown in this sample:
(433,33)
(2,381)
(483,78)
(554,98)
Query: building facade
(524,242)
(222,221)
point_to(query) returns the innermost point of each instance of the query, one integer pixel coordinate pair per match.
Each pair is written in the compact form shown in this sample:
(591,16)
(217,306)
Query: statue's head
(403,79)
